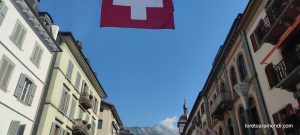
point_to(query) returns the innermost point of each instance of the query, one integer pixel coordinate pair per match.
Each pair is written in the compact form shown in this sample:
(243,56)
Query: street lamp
(242,89)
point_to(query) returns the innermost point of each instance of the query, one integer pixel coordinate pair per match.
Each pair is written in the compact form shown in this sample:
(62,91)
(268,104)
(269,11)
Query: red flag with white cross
(149,14)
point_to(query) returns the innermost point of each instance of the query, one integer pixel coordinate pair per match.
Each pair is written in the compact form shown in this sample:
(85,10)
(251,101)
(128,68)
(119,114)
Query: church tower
(183,118)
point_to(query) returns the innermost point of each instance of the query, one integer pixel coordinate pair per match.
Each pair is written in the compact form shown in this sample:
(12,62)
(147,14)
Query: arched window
(242,68)
(222,87)
(233,76)
(253,113)
(242,118)
(230,127)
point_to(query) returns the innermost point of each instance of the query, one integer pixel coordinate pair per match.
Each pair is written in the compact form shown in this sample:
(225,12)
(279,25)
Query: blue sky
(148,73)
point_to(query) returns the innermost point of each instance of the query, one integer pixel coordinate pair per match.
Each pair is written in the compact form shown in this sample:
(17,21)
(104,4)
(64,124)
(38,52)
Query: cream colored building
(109,120)
(272,31)
(73,94)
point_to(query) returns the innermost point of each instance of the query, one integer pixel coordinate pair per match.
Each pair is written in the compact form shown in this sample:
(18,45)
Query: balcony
(86,100)
(288,69)
(280,15)
(81,127)
(221,103)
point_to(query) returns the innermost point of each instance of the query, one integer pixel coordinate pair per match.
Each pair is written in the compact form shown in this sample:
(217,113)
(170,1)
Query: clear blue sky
(148,73)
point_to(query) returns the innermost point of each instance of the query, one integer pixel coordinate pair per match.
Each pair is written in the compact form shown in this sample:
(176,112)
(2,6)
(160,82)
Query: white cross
(139,7)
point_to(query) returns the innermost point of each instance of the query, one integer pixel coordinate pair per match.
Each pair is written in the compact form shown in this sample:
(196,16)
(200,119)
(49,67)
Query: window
(84,87)
(253,112)
(96,105)
(6,69)
(64,101)
(36,55)
(93,128)
(101,109)
(18,34)
(100,122)
(72,109)
(271,75)
(230,127)
(233,77)
(15,128)
(257,36)
(242,68)
(56,130)
(3,11)
(25,90)
(70,70)
(242,118)
(78,80)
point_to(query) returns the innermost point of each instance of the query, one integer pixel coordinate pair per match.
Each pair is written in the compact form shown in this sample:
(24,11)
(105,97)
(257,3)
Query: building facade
(27,43)
(272,31)
(109,121)
(73,93)
(219,102)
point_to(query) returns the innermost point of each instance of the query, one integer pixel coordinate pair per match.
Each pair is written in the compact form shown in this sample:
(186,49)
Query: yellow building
(72,95)
(109,120)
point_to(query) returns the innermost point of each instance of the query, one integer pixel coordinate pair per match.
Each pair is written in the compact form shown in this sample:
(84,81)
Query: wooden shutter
(254,42)
(276,119)
(53,128)
(13,128)
(271,75)
(66,105)
(30,95)
(62,100)
(6,69)
(70,70)
(3,11)
(78,81)
(21,36)
(20,86)
(72,109)
(21,130)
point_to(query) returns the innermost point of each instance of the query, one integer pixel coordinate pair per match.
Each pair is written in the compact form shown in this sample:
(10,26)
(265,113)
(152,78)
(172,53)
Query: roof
(89,70)
(114,111)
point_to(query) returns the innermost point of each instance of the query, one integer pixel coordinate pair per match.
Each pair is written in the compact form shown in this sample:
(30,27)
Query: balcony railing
(288,70)
(221,103)
(280,15)
(81,127)
(86,100)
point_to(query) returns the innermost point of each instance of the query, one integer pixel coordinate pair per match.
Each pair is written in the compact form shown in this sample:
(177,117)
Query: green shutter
(13,128)
(20,86)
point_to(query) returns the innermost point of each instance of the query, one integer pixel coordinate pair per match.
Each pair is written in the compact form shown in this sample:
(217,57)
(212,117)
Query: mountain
(155,130)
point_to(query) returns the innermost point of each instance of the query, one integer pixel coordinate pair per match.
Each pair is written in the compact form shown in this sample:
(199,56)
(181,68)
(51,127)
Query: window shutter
(16,32)
(72,109)
(254,42)
(96,105)
(66,104)
(93,128)
(21,36)
(78,81)
(20,86)
(271,75)
(70,70)
(7,74)
(21,130)
(34,54)
(13,128)
(39,56)
(62,100)
(31,94)
(3,11)
(52,130)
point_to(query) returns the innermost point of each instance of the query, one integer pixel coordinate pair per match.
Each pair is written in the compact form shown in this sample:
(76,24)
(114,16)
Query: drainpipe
(270,131)
(44,94)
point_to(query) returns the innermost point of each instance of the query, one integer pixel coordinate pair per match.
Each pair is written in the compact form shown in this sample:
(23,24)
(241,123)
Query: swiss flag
(150,14)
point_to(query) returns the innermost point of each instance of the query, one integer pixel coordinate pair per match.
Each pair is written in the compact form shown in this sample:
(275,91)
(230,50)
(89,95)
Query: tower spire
(185,108)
